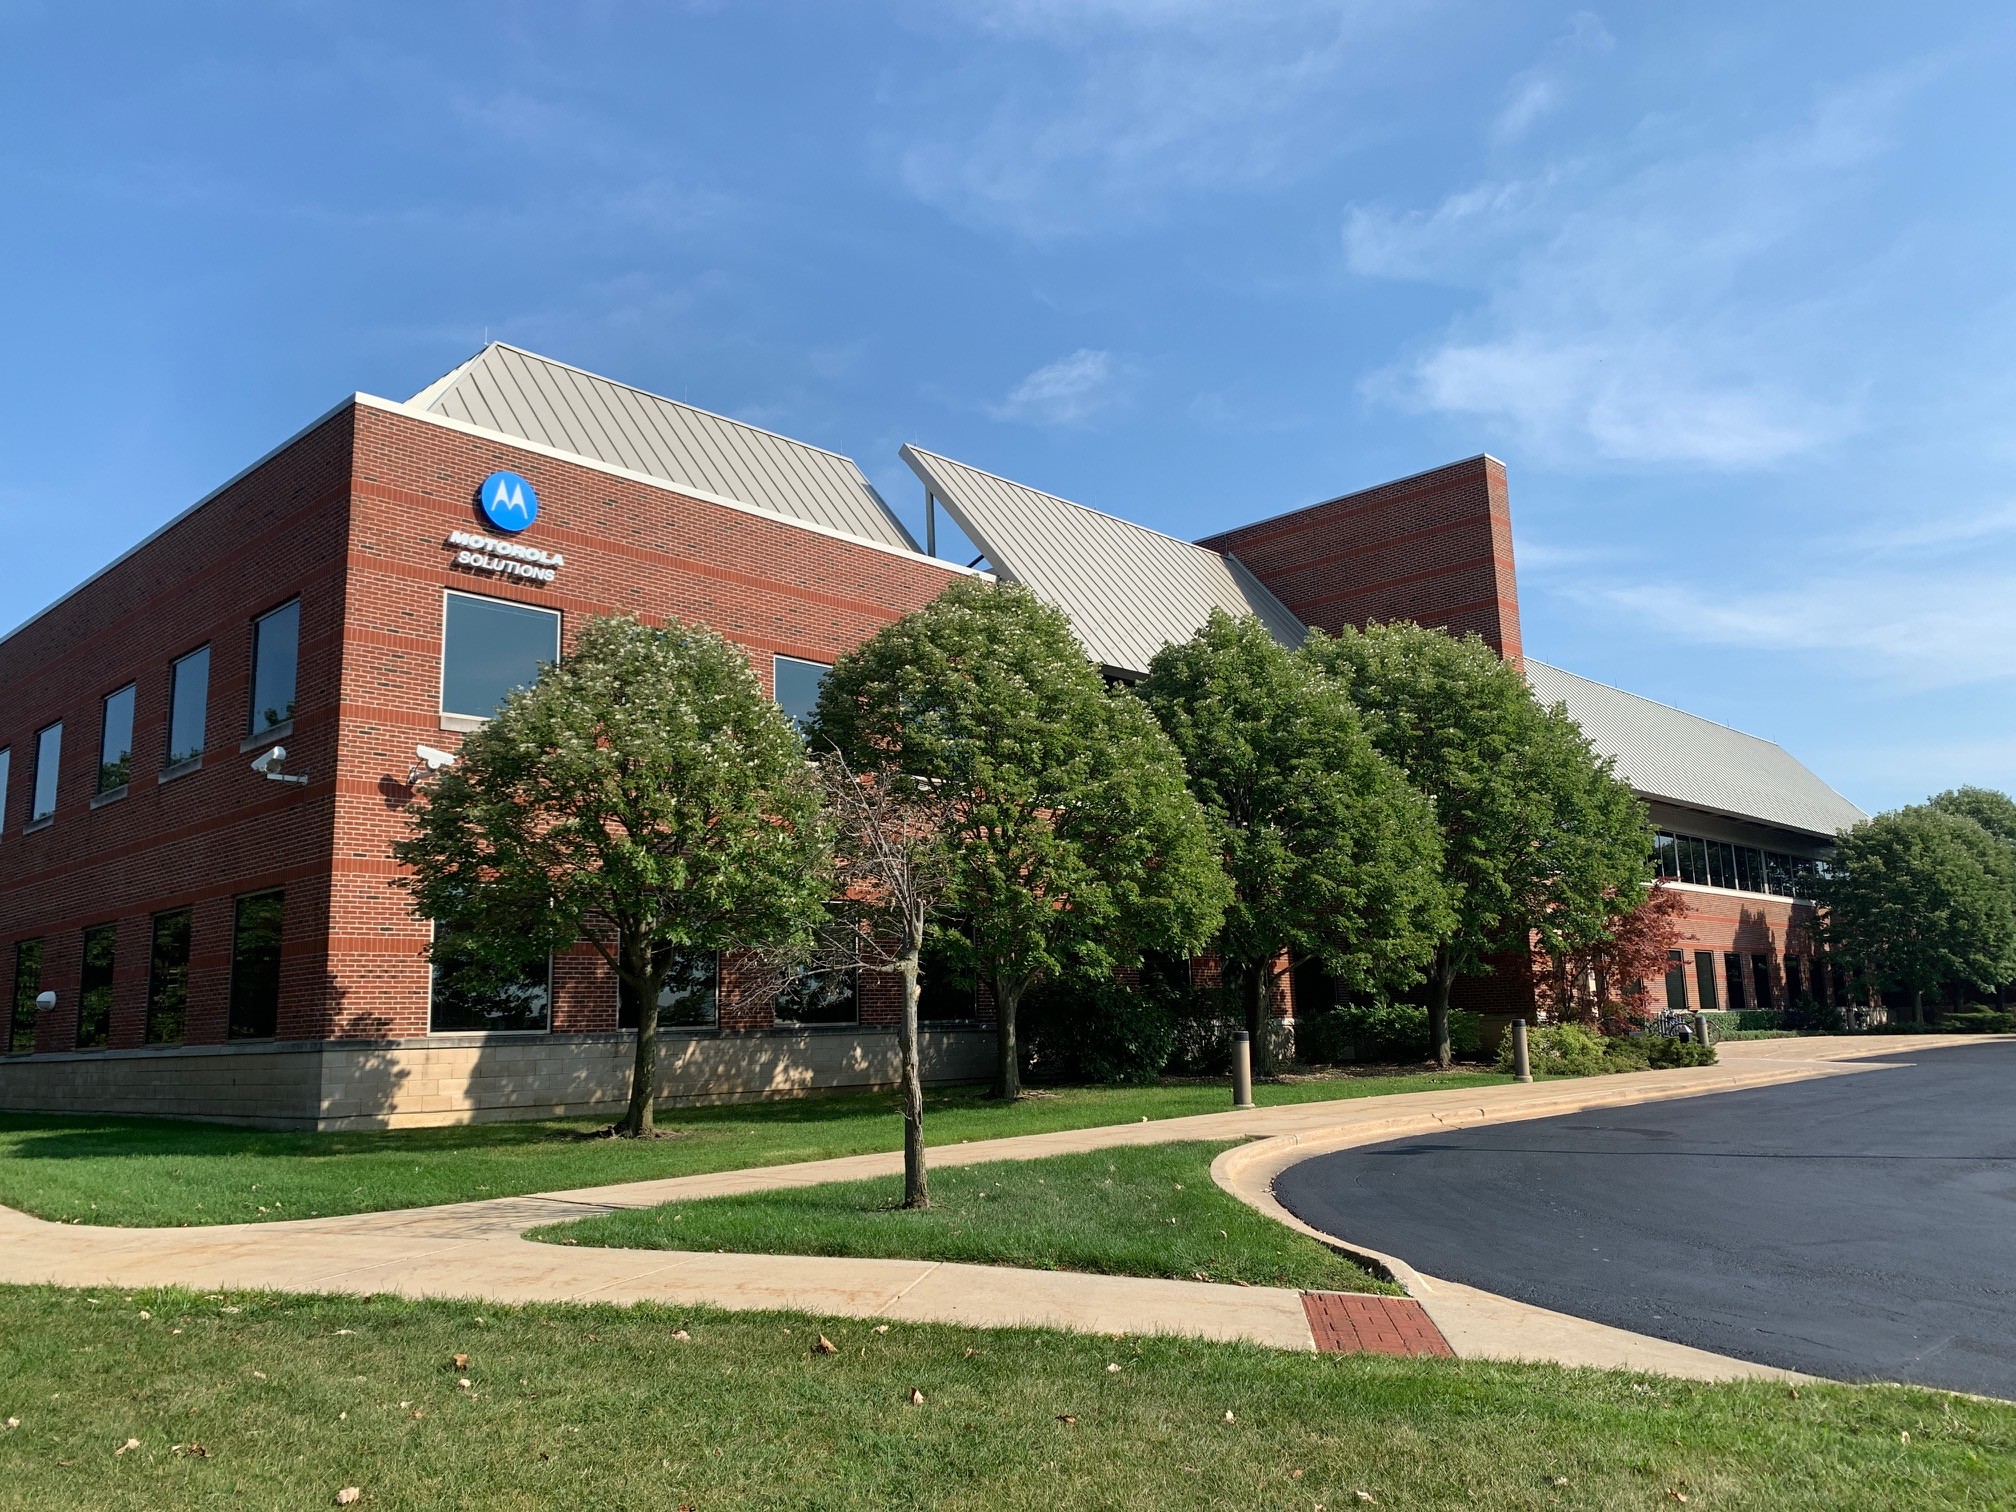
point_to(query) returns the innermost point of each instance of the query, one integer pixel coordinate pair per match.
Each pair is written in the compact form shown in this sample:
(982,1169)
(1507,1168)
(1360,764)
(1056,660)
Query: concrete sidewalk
(475,1249)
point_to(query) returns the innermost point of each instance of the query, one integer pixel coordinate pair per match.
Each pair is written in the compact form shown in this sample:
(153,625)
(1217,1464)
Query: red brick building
(206,749)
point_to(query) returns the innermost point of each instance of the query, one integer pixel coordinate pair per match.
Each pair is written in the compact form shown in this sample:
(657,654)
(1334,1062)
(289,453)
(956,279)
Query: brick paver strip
(1346,1324)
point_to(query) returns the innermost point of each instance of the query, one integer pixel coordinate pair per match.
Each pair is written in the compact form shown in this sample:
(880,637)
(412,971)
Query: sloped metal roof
(519,393)
(1127,590)
(1685,759)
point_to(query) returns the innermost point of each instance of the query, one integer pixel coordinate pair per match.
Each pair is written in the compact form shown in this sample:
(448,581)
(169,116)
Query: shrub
(1571,1050)
(1379,1032)
(1097,1031)
(1807,1013)
(1201,1022)
(1977,1021)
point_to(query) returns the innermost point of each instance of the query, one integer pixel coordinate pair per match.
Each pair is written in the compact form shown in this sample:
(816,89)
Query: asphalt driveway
(1860,1227)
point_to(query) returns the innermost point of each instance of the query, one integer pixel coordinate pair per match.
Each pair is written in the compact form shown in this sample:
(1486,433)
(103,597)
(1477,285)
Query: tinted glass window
(6,761)
(820,997)
(27,985)
(115,745)
(689,996)
(1704,980)
(945,984)
(168,978)
(255,967)
(48,758)
(470,995)
(1665,856)
(797,683)
(1760,981)
(1795,985)
(1733,969)
(276,642)
(94,987)
(1676,982)
(490,647)
(188,706)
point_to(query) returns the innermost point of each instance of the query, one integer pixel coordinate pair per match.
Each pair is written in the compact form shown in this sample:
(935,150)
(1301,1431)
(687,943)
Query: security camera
(268,766)
(431,760)
(44,1001)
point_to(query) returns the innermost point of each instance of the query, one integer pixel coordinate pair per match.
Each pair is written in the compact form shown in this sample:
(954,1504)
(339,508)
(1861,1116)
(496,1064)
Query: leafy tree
(1607,981)
(643,795)
(1075,839)
(1994,812)
(1541,844)
(1331,854)
(1919,898)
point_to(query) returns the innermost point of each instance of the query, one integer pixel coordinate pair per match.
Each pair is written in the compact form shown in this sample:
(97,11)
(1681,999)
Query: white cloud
(1082,115)
(1541,90)
(1068,391)
(1912,631)
(1931,534)
(1651,303)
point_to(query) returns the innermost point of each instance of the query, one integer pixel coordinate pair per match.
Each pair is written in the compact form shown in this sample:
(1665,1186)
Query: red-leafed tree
(1609,983)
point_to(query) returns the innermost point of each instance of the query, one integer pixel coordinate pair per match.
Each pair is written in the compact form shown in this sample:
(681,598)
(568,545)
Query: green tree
(1075,840)
(1541,844)
(643,795)
(1331,854)
(1920,898)
(1994,812)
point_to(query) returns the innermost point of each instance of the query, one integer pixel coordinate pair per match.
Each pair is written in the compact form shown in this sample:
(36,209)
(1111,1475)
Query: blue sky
(1730,288)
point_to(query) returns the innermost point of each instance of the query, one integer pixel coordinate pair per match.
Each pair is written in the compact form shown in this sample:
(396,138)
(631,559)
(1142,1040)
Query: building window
(255,967)
(1760,980)
(168,978)
(1704,979)
(115,742)
(48,758)
(489,648)
(689,994)
(6,762)
(472,996)
(276,648)
(27,986)
(820,997)
(94,987)
(1795,985)
(188,707)
(797,684)
(1732,965)
(1676,982)
(1741,868)
(945,990)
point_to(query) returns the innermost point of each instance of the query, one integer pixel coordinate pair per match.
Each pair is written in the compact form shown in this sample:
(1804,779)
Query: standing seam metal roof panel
(1664,752)
(521,394)
(1127,590)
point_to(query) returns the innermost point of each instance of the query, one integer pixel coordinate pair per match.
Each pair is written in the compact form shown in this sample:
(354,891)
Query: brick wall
(628,547)
(200,839)
(1435,548)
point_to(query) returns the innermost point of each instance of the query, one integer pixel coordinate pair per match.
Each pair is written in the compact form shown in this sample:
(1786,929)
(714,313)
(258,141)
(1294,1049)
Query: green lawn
(148,1172)
(1147,1210)
(254,1401)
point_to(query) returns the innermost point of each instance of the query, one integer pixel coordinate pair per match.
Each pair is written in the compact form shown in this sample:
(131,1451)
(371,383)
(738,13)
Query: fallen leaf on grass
(1067,1418)
(258,1375)
(145,1316)
(1679,1496)
(1228,1415)
(1112,1370)
(681,1335)
(460,1361)
(347,1495)
(463,1383)
(1365,1496)
(916,1397)
(13,1422)
(129,1444)
(879,1328)
(1294,1475)
(194,1451)
(825,1346)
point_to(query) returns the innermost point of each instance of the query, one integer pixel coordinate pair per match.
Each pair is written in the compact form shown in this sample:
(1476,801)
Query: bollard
(1522,1065)
(1242,1069)
(1700,1028)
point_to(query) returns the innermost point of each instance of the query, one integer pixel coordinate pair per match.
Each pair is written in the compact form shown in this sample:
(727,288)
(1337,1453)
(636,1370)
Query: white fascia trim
(649,480)
(1731,892)
(149,539)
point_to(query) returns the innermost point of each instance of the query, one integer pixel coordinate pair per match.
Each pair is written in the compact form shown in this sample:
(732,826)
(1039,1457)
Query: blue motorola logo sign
(509,502)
